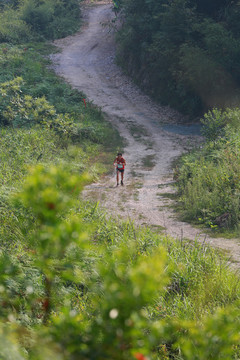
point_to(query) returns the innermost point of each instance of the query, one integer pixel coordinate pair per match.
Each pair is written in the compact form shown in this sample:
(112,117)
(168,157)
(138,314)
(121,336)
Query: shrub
(208,180)
(12,28)
(126,294)
(52,19)
(33,19)
(37,14)
(214,124)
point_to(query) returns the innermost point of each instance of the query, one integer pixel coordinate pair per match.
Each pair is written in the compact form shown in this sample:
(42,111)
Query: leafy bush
(37,14)
(208,180)
(12,28)
(214,124)
(41,97)
(50,18)
(122,299)
(33,19)
(19,110)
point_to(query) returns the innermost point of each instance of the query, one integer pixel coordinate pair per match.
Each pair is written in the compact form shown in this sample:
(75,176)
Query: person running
(120,164)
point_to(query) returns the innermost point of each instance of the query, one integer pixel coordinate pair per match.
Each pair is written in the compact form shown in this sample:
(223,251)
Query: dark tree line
(184,52)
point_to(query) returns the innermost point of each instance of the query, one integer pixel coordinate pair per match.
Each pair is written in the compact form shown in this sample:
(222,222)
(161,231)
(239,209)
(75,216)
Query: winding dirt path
(87,63)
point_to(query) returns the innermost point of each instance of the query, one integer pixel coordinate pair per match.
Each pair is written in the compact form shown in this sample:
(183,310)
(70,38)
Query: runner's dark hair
(119,154)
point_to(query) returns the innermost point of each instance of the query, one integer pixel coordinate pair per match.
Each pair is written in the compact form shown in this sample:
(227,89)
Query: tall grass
(108,283)
(208,180)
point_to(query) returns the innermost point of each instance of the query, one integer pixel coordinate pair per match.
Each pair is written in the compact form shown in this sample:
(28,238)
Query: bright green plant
(108,294)
(24,110)
(10,348)
(214,124)
(216,339)
(32,19)
(20,109)
(72,121)
(208,180)
(12,28)
(49,193)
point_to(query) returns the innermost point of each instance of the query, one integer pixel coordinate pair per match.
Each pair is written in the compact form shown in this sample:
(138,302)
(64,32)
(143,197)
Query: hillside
(79,279)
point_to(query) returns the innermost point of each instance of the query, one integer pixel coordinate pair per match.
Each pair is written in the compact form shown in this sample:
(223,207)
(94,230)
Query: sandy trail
(87,63)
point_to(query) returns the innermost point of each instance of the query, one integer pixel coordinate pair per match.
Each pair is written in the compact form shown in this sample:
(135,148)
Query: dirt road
(87,63)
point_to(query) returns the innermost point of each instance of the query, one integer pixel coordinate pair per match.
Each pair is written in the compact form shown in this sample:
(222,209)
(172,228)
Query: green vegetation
(208,179)
(74,283)
(32,95)
(25,20)
(44,121)
(184,53)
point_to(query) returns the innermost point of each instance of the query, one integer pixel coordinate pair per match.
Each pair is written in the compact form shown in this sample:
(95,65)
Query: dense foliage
(76,285)
(32,95)
(37,19)
(184,52)
(208,179)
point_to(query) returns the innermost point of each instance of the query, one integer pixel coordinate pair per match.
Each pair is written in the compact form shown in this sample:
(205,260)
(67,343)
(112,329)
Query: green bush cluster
(33,19)
(208,179)
(184,53)
(31,94)
(12,28)
(77,285)
(19,110)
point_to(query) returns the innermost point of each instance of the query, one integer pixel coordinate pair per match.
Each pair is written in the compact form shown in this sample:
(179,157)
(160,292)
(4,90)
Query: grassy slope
(208,179)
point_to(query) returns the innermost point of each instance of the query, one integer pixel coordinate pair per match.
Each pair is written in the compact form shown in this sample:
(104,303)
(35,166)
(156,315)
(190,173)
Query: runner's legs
(117,177)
